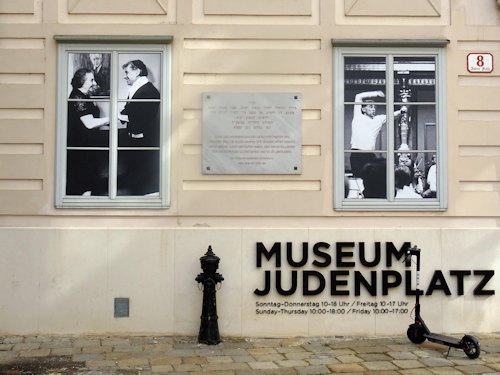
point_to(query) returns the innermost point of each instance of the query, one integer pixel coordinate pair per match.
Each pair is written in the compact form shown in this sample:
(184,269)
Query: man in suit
(141,117)
(139,168)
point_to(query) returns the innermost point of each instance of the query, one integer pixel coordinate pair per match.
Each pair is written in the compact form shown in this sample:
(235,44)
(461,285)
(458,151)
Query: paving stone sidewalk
(141,355)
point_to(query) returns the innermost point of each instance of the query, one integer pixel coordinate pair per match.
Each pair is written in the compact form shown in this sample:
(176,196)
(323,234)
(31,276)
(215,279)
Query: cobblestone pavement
(144,355)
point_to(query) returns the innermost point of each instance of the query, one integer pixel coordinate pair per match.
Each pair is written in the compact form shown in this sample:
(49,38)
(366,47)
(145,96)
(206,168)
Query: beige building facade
(305,253)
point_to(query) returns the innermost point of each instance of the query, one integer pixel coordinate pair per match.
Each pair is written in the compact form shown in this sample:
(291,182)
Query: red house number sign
(480,62)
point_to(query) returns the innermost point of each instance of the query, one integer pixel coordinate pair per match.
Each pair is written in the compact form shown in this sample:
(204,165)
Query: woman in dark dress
(83,116)
(87,170)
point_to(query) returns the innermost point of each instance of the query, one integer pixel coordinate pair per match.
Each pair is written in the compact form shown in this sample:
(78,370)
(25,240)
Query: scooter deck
(444,340)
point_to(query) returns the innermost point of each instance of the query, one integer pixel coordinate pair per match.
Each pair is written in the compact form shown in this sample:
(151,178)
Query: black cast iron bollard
(209,328)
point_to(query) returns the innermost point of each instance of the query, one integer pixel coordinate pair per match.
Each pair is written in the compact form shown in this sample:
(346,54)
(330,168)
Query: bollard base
(209,331)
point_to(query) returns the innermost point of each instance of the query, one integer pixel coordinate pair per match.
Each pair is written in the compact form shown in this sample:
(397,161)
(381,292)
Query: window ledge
(152,39)
(390,42)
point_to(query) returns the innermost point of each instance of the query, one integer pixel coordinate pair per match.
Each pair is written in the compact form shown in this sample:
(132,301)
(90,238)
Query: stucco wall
(66,280)
(277,46)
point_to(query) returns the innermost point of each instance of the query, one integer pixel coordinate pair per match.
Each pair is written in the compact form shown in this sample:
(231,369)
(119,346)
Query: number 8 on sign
(480,62)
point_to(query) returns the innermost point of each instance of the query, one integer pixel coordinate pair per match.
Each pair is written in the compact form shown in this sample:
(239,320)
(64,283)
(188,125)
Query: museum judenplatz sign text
(345,276)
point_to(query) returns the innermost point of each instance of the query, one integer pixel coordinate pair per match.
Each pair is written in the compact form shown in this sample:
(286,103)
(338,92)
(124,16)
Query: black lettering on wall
(438,282)
(321,254)
(289,255)
(479,289)
(346,271)
(371,286)
(387,284)
(262,251)
(319,276)
(334,283)
(293,287)
(376,257)
(460,280)
(344,254)
(390,250)
(267,285)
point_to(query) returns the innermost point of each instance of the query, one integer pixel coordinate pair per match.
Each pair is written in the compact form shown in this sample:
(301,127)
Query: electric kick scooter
(418,331)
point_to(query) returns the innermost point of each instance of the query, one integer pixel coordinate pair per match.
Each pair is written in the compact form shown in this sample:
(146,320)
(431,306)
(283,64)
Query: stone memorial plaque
(252,133)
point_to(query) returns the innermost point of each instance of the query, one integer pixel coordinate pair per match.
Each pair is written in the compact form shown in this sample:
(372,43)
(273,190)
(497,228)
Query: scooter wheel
(471,346)
(415,333)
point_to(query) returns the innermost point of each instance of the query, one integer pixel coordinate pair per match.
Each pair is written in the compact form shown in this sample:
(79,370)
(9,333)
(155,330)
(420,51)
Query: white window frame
(384,48)
(115,45)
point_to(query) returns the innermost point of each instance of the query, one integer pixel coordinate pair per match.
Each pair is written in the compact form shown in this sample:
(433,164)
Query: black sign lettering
(343,282)
(438,282)
(479,289)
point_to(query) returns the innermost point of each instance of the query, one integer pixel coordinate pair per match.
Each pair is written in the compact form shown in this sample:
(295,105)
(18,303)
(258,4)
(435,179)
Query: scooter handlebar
(411,251)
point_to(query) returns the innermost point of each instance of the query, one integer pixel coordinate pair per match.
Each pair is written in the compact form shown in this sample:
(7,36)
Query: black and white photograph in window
(92,128)
(88,124)
(139,124)
(390,127)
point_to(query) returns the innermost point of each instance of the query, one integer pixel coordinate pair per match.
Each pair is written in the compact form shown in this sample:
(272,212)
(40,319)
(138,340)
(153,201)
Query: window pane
(415,128)
(88,121)
(362,74)
(139,124)
(414,174)
(414,79)
(430,180)
(140,73)
(365,127)
(365,175)
(87,173)
(138,172)
(408,174)
(98,64)
(139,118)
